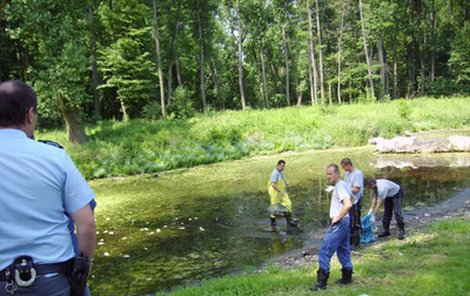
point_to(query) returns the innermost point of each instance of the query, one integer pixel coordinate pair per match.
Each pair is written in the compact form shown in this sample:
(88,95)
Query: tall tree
(240,56)
(94,65)
(159,59)
(320,53)
(366,51)
(433,40)
(313,64)
(338,91)
(46,29)
(173,53)
(201,57)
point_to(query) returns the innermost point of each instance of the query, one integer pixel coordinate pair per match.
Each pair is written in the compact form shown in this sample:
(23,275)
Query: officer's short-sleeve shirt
(38,184)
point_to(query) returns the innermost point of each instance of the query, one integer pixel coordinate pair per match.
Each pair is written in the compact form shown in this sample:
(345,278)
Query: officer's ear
(31,115)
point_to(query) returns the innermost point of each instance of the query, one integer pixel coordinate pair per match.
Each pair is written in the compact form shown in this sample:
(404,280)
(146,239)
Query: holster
(78,275)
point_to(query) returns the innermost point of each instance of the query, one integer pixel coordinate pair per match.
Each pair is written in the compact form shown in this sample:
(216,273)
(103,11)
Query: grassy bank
(435,262)
(123,148)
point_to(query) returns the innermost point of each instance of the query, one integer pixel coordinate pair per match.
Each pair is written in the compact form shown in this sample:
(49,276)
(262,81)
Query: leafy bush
(181,106)
(404,109)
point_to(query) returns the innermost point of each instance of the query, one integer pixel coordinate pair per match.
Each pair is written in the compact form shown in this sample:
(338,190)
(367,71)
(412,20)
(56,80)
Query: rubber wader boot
(289,222)
(322,279)
(386,231)
(401,231)
(347,276)
(273,224)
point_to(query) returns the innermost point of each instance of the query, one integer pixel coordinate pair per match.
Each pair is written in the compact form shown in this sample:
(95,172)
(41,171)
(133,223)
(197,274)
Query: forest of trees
(126,59)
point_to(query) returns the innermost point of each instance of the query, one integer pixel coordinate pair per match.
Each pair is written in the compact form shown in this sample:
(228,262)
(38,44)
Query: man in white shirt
(391,195)
(337,237)
(355,180)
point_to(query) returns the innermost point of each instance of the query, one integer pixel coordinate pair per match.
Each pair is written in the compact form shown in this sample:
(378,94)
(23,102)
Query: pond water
(158,232)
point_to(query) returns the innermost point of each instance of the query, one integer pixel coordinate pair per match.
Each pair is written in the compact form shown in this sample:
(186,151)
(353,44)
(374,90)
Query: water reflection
(213,219)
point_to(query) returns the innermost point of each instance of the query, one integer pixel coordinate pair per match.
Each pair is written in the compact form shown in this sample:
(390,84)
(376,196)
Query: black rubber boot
(322,279)
(401,231)
(347,276)
(386,231)
(273,224)
(289,223)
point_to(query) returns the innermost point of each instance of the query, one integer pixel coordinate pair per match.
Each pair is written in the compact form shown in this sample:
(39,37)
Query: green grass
(435,262)
(134,147)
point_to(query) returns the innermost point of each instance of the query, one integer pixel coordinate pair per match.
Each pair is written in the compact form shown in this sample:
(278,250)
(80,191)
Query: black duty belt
(41,269)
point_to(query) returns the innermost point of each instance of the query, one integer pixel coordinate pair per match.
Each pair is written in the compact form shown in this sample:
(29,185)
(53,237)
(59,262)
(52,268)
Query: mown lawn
(435,262)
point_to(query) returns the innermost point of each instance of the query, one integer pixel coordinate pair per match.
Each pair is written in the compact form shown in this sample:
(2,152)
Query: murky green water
(157,232)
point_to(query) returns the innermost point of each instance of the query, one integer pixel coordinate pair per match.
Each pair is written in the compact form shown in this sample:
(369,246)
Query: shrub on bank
(143,146)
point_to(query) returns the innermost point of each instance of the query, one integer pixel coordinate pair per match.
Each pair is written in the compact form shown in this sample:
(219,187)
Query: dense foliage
(99,59)
(142,146)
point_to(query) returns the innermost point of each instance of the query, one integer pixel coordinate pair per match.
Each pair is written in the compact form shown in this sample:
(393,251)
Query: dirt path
(416,220)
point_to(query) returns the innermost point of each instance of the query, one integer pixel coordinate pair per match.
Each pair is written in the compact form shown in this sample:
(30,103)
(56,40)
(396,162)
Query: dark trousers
(355,226)
(392,206)
(57,285)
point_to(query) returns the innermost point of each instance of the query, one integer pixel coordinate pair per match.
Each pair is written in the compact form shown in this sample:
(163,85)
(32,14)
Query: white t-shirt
(355,179)
(341,192)
(386,188)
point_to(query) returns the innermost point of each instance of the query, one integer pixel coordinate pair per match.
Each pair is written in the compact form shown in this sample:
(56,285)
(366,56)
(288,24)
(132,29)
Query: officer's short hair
(16,98)
(281,162)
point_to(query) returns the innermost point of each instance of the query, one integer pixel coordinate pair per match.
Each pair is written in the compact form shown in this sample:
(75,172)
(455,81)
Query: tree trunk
(338,91)
(215,79)
(310,76)
(298,93)
(312,61)
(330,93)
(395,71)
(240,59)
(201,59)
(418,7)
(364,40)
(178,72)
(173,53)
(75,131)
(159,60)
(383,67)
(320,54)
(94,65)
(286,60)
(433,40)
(265,84)
(125,115)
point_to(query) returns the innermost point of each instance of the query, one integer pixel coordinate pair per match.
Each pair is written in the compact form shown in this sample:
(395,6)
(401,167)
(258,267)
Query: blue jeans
(336,240)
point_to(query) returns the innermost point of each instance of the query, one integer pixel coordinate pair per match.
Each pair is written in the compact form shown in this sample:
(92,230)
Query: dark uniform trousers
(57,285)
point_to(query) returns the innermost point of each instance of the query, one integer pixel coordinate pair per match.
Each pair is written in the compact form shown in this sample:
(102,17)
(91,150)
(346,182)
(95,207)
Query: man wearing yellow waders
(281,206)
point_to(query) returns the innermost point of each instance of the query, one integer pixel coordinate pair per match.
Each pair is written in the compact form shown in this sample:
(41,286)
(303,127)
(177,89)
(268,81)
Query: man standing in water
(280,201)
(337,237)
(391,195)
(355,180)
